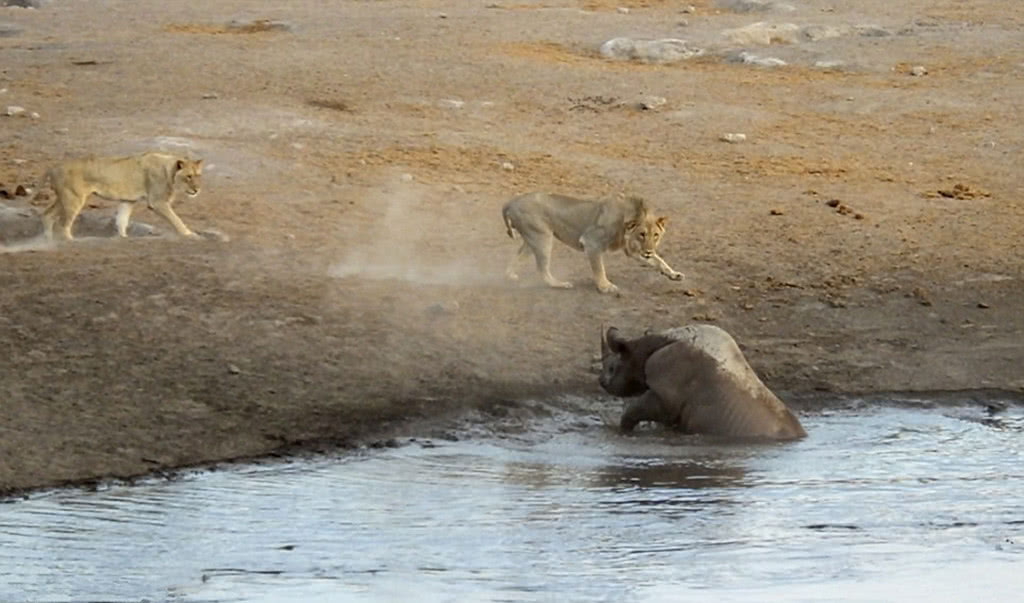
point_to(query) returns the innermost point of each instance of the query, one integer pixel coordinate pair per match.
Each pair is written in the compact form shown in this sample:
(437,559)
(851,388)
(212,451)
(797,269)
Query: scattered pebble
(406,177)
(732,137)
(452,103)
(209,96)
(507,166)
(13,110)
(918,71)
(688,9)
(622,10)
(649,103)
(776,212)
(983,305)
(233,369)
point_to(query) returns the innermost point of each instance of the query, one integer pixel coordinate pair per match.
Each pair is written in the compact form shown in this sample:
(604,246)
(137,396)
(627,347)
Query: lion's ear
(199,165)
(662,220)
(179,165)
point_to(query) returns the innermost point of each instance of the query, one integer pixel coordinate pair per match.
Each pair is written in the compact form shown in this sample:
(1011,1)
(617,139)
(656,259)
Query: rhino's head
(622,365)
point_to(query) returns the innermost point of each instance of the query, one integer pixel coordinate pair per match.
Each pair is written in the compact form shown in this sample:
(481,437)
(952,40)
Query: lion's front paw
(607,287)
(675,276)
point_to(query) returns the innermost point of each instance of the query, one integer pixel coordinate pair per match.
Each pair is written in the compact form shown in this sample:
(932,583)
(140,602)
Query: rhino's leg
(648,407)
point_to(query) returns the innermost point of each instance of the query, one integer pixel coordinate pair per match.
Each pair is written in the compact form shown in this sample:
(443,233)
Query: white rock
(665,50)
(689,9)
(452,103)
(622,10)
(918,71)
(507,166)
(406,177)
(815,33)
(649,103)
(832,64)
(749,58)
(13,110)
(752,6)
(34,115)
(764,33)
(732,137)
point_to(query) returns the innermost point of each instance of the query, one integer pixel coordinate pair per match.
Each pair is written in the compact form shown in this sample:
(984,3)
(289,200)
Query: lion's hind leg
(542,251)
(510,270)
(50,216)
(67,205)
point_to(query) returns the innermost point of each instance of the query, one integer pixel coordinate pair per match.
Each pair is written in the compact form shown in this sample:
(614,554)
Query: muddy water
(893,502)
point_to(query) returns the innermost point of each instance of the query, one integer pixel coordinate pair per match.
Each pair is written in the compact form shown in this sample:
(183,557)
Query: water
(879,503)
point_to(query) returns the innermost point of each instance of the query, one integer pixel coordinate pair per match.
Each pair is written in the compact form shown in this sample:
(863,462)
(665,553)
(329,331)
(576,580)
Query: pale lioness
(156,177)
(592,227)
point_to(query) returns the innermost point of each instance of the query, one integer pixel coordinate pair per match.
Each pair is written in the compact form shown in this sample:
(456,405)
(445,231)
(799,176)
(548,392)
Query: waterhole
(881,502)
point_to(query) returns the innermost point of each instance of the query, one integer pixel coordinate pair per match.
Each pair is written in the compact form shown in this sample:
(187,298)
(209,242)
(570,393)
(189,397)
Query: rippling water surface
(877,504)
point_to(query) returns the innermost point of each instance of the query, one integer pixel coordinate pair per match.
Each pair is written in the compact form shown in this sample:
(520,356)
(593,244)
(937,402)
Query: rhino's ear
(615,343)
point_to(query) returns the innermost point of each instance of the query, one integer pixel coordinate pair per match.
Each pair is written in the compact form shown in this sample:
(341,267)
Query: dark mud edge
(445,426)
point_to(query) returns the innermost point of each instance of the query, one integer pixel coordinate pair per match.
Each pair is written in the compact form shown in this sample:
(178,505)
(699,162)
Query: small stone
(34,115)
(443,308)
(832,203)
(983,305)
(689,9)
(682,23)
(20,191)
(776,212)
(453,103)
(442,16)
(233,369)
(209,96)
(831,64)
(507,166)
(918,71)
(622,10)
(649,103)
(406,177)
(13,110)
(732,137)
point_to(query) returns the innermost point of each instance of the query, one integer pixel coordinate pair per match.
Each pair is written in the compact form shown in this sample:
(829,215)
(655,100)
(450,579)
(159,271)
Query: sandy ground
(865,237)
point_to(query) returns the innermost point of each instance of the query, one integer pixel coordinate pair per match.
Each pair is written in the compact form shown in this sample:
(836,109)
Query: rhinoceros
(695,379)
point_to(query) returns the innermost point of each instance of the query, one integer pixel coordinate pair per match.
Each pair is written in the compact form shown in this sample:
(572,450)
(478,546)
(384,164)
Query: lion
(593,227)
(156,177)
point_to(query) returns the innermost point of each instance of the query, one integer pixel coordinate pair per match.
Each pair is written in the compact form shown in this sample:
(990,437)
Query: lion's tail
(509,229)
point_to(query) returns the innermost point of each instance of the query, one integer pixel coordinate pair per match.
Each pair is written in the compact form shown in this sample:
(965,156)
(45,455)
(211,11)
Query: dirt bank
(865,237)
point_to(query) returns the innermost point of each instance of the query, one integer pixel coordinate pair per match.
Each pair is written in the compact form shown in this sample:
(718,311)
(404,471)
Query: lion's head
(188,175)
(643,235)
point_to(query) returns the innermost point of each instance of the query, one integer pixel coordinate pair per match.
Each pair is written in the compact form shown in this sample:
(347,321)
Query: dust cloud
(412,242)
